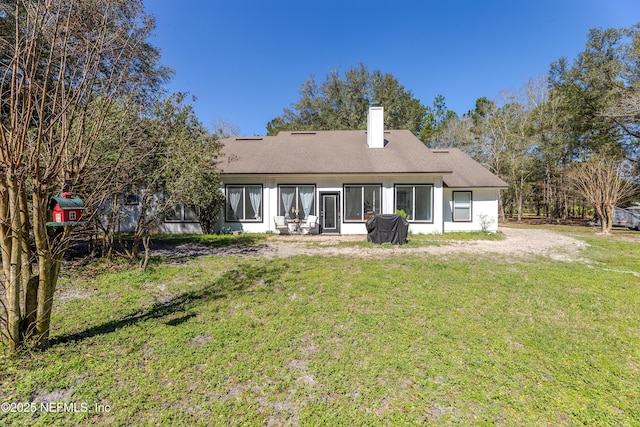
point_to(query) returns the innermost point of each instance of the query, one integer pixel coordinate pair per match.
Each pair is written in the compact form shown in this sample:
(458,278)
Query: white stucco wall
(176,227)
(484,207)
(335,184)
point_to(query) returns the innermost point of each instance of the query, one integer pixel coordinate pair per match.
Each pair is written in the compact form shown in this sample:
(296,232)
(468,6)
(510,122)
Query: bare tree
(224,128)
(602,182)
(64,62)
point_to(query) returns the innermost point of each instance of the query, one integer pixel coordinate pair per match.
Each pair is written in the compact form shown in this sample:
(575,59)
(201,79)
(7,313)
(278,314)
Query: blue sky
(245,60)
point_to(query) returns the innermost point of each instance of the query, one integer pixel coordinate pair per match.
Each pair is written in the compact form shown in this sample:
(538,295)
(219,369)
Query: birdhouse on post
(66,210)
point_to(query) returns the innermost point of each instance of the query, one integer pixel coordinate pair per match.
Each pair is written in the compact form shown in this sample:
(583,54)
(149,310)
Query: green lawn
(325,341)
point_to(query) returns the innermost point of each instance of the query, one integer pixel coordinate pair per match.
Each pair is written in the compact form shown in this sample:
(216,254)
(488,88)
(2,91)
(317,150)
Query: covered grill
(387,228)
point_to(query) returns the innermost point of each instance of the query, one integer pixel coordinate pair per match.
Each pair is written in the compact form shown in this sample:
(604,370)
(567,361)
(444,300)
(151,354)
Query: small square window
(462,206)
(131,199)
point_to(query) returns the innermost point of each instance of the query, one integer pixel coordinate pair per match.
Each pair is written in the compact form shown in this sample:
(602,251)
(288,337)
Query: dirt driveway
(518,242)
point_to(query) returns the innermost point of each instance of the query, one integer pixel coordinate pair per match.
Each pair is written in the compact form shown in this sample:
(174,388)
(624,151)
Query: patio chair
(281,225)
(309,225)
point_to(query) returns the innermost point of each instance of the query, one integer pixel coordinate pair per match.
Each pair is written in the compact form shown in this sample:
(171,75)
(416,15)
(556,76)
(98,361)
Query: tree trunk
(46,282)
(602,214)
(45,301)
(13,276)
(520,202)
(609,212)
(29,282)
(145,261)
(28,327)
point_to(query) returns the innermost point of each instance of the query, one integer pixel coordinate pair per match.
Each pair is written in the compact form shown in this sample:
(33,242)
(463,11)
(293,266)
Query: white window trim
(468,205)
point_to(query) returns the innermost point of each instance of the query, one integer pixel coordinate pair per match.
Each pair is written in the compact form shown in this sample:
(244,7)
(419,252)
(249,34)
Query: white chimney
(375,127)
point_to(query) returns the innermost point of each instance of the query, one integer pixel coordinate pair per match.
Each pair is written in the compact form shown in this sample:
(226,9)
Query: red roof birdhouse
(66,210)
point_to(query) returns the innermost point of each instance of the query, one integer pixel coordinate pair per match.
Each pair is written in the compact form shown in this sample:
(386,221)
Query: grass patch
(342,341)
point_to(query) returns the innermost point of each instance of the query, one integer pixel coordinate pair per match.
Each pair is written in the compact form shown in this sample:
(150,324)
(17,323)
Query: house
(345,177)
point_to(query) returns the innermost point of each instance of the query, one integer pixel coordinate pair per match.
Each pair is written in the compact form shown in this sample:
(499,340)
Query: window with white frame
(244,203)
(296,201)
(416,201)
(462,206)
(361,202)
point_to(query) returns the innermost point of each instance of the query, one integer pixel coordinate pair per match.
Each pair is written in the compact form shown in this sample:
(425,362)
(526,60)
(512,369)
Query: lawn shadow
(180,247)
(237,280)
(212,241)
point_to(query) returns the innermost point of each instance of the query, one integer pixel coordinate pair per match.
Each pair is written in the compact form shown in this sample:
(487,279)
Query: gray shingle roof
(467,172)
(347,152)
